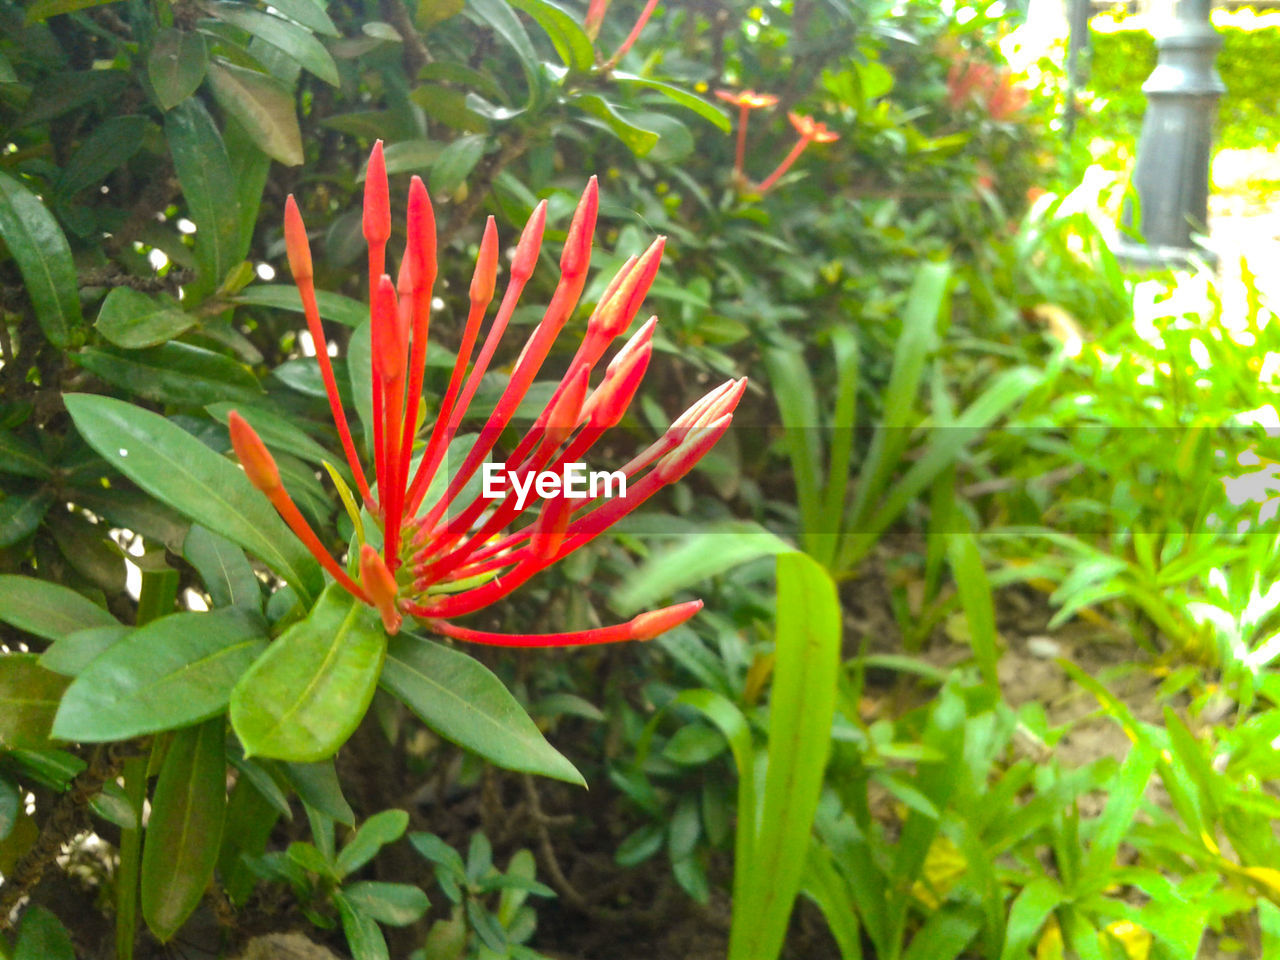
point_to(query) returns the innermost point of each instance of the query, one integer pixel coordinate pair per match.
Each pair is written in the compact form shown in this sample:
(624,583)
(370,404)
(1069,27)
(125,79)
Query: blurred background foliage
(1041,491)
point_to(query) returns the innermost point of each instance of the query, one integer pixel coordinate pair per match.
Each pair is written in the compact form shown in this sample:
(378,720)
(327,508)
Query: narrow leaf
(47,609)
(263,106)
(40,250)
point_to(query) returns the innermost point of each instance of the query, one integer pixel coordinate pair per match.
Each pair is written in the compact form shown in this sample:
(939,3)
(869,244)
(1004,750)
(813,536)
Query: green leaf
(801,710)
(44,9)
(276,432)
(21,515)
(70,655)
(306,694)
(702,108)
(11,806)
(456,161)
(317,784)
(695,558)
(462,701)
(176,66)
(133,320)
(974,588)
(173,672)
(176,468)
(20,458)
(397,904)
(227,575)
(110,145)
(374,834)
(638,140)
(694,745)
(29,697)
(507,25)
(363,935)
(208,188)
(1030,909)
(40,250)
(185,829)
(263,106)
(175,373)
(572,44)
(310,14)
(46,609)
(41,936)
(797,399)
(282,296)
(295,42)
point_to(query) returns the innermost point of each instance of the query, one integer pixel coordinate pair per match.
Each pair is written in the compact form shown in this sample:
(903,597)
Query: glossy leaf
(176,66)
(134,320)
(461,700)
(276,432)
(208,187)
(185,829)
(309,13)
(48,609)
(222,566)
(801,710)
(638,140)
(29,696)
(572,44)
(264,107)
(179,470)
(174,671)
(41,252)
(295,42)
(304,697)
(175,373)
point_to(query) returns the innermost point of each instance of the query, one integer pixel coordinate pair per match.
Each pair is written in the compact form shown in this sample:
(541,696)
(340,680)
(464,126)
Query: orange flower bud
(259,465)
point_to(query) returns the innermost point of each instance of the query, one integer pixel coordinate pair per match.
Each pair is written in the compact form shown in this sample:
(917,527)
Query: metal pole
(1171,174)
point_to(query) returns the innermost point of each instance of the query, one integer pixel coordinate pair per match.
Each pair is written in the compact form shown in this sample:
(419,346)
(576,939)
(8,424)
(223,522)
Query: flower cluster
(809,130)
(995,90)
(443,560)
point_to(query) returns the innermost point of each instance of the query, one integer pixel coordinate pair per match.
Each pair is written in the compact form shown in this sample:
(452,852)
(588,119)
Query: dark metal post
(1171,174)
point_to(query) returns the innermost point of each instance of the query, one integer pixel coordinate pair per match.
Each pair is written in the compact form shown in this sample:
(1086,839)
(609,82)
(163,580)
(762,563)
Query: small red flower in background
(811,131)
(435,565)
(995,90)
(745,101)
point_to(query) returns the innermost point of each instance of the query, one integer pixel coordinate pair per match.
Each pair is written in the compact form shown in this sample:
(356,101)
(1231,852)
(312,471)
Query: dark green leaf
(694,745)
(29,697)
(20,458)
(292,40)
(283,296)
(10,806)
(41,936)
(638,140)
(640,845)
(455,163)
(47,609)
(175,373)
(508,26)
(20,515)
(110,145)
(44,9)
(175,671)
(179,470)
(176,66)
(227,575)
(276,432)
(317,784)
(306,694)
(263,106)
(374,834)
(397,904)
(460,699)
(39,248)
(208,187)
(185,829)
(134,320)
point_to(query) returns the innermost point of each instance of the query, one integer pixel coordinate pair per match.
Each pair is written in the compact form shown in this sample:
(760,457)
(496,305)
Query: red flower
(451,560)
(811,131)
(745,101)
